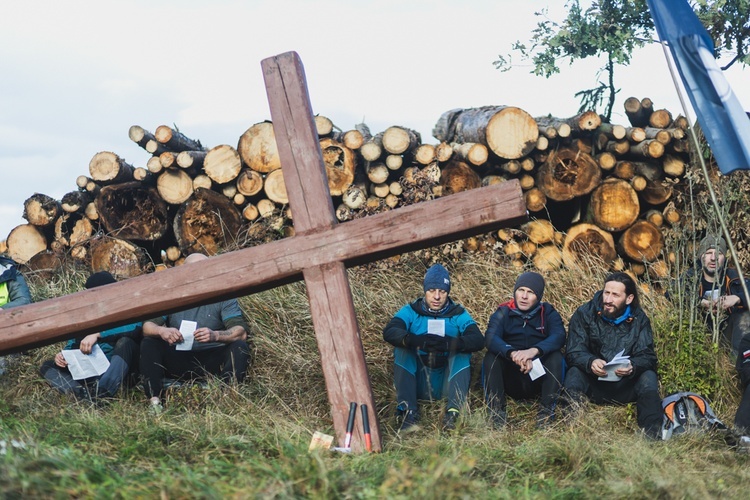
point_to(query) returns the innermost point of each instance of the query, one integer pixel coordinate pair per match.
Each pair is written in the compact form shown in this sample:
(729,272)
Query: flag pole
(714,200)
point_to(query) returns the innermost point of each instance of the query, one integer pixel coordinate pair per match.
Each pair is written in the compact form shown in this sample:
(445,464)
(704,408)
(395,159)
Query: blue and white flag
(724,123)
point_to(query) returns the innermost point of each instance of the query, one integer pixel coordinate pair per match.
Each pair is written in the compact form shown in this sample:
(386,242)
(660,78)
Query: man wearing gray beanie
(521,333)
(433,338)
(718,290)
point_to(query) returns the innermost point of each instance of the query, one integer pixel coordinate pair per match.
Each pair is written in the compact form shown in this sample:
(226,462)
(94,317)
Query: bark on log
(560,125)
(108,168)
(587,243)
(567,174)
(119,257)
(636,113)
(340,163)
(132,211)
(191,159)
(146,140)
(257,148)
(175,140)
(174,186)
(399,140)
(507,131)
(458,176)
(649,148)
(612,131)
(471,152)
(614,205)
(222,164)
(274,187)
(206,223)
(143,176)
(642,241)
(75,201)
(659,134)
(41,210)
(24,242)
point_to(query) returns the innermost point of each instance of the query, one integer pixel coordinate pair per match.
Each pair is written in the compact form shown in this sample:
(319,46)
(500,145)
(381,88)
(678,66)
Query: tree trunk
(649,148)
(75,201)
(559,125)
(206,223)
(659,134)
(340,163)
(636,113)
(168,159)
(24,242)
(176,141)
(119,257)
(257,148)
(471,152)
(567,174)
(41,210)
(613,132)
(398,140)
(642,241)
(588,120)
(614,205)
(108,168)
(586,244)
(457,176)
(635,134)
(174,186)
(191,159)
(507,131)
(274,187)
(133,212)
(222,164)
(146,140)
(249,182)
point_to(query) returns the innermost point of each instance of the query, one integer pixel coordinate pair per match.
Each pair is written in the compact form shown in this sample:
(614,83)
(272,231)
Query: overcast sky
(75,75)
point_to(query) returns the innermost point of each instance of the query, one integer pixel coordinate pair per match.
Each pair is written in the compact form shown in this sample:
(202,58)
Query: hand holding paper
(618,362)
(83,366)
(187,329)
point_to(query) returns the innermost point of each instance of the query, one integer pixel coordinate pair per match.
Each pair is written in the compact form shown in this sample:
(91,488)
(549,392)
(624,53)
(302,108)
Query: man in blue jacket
(13,292)
(519,332)
(610,323)
(433,339)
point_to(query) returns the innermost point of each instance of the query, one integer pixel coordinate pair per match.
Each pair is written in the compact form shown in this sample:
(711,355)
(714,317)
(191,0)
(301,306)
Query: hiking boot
(498,419)
(743,445)
(545,418)
(409,422)
(154,406)
(449,421)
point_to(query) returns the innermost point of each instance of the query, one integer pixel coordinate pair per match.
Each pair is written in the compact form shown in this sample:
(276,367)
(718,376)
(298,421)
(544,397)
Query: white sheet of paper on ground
(436,327)
(187,329)
(619,361)
(83,366)
(537,369)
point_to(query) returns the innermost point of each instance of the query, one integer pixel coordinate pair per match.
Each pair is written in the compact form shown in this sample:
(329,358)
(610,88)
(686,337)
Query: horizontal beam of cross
(254,269)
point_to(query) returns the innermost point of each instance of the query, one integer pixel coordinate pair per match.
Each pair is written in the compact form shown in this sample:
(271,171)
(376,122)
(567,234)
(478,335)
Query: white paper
(537,369)
(619,361)
(187,329)
(712,295)
(83,366)
(436,327)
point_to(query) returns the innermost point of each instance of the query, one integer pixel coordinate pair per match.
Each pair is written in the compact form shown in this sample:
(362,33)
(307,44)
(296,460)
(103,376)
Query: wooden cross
(319,253)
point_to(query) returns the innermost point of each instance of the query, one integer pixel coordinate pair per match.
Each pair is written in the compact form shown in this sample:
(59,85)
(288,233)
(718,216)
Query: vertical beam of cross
(331,303)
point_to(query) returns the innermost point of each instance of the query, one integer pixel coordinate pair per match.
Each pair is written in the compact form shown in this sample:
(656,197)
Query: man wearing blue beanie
(520,332)
(433,339)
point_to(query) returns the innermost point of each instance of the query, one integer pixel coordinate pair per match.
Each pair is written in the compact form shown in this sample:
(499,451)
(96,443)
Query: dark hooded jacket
(591,337)
(510,329)
(10,277)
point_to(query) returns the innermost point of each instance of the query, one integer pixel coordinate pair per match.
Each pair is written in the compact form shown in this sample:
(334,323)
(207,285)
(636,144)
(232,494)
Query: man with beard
(520,331)
(433,339)
(719,292)
(610,323)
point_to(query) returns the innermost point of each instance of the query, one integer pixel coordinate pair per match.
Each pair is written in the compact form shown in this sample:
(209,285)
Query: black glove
(415,341)
(437,343)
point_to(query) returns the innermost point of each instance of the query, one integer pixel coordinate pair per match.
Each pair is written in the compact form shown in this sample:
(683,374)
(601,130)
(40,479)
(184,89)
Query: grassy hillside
(251,440)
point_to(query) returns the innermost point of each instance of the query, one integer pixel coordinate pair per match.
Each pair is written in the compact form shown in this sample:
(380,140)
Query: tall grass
(250,440)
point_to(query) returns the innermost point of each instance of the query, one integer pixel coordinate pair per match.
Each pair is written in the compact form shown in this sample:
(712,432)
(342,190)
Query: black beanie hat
(531,280)
(99,279)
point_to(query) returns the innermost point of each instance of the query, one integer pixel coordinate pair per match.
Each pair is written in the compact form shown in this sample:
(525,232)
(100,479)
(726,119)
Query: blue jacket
(18,291)
(108,338)
(413,318)
(512,330)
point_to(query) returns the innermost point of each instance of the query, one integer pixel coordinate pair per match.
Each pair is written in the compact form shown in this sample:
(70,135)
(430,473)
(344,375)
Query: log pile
(595,191)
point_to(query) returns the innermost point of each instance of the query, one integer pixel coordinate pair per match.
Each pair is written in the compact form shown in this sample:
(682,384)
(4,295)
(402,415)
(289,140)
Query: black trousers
(502,376)
(159,359)
(642,389)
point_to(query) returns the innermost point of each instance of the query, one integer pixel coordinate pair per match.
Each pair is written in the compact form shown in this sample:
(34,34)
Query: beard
(709,272)
(616,313)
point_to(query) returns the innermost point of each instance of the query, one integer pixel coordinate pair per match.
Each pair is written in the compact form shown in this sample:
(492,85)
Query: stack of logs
(594,190)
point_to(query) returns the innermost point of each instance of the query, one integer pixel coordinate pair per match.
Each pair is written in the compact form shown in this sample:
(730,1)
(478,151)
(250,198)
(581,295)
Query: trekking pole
(366,428)
(350,425)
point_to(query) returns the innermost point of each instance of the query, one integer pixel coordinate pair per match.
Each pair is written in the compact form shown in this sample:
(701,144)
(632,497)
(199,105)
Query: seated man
(120,345)
(520,331)
(433,339)
(13,292)
(611,322)
(742,417)
(219,348)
